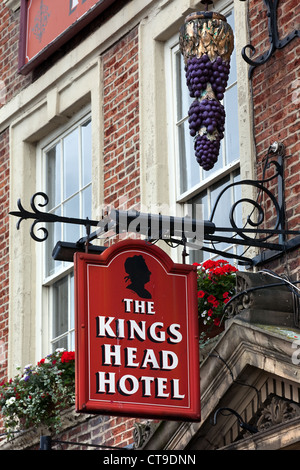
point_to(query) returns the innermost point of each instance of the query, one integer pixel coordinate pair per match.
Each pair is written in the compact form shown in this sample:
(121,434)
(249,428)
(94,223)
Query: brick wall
(276,102)
(102,430)
(86,432)
(121,157)
(10,80)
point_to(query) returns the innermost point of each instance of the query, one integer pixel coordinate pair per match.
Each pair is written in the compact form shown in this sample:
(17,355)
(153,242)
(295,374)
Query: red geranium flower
(68,356)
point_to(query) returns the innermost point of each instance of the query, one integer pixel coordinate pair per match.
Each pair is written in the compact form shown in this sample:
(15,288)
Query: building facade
(101,122)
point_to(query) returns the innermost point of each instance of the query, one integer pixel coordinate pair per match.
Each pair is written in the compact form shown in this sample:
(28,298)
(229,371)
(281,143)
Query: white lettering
(73,5)
(146,381)
(130,357)
(150,306)
(149,358)
(139,329)
(112,327)
(139,306)
(173,332)
(108,354)
(134,384)
(127,304)
(165,360)
(120,328)
(106,379)
(175,385)
(152,332)
(160,387)
(104,328)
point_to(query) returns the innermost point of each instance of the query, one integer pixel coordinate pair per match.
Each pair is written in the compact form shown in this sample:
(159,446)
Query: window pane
(60,307)
(198,256)
(189,168)
(53,176)
(60,343)
(222,210)
(72,341)
(231,125)
(233,74)
(87,202)
(221,215)
(72,209)
(54,235)
(201,199)
(71,164)
(86,139)
(238,216)
(183,99)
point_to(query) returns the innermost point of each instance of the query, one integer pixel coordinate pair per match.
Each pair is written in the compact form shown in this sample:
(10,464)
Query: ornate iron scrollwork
(257,206)
(45,217)
(253,233)
(241,235)
(275,42)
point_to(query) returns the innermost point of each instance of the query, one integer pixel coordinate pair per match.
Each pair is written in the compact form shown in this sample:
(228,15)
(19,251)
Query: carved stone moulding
(264,300)
(277,411)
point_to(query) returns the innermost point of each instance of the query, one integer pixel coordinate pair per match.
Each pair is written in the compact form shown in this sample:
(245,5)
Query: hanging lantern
(206,42)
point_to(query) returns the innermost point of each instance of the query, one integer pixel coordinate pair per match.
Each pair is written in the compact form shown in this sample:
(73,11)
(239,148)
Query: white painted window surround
(65,163)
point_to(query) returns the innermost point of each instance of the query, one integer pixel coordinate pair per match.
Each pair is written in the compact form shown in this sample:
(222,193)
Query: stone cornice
(241,345)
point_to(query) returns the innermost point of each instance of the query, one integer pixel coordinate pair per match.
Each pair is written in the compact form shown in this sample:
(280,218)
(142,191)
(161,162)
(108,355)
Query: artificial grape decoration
(206,123)
(206,41)
(200,71)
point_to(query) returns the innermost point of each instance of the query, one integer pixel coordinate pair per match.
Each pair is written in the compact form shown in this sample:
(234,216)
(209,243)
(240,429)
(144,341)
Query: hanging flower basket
(39,394)
(215,284)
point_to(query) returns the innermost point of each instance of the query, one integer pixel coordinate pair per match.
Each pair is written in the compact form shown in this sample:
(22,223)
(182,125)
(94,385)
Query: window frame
(45,283)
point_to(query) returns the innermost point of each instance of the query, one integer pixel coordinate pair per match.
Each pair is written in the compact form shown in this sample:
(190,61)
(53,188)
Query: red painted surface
(137,350)
(47,24)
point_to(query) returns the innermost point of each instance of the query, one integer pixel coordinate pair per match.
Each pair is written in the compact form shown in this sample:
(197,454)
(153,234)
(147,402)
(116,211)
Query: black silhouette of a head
(138,274)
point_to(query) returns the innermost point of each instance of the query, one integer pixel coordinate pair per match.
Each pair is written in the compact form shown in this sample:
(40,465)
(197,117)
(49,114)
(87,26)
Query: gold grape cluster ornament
(206,43)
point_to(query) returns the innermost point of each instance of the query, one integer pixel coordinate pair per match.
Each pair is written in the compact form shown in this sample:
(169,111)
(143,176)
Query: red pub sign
(47,24)
(137,344)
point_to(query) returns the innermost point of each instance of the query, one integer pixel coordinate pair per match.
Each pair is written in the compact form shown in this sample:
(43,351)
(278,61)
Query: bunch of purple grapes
(197,73)
(206,151)
(200,70)
(209,114)
(219,77)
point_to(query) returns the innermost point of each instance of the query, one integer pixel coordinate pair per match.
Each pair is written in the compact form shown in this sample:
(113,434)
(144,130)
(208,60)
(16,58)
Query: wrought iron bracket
(252,234)
(275,41)
(242,423)
(46,217)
